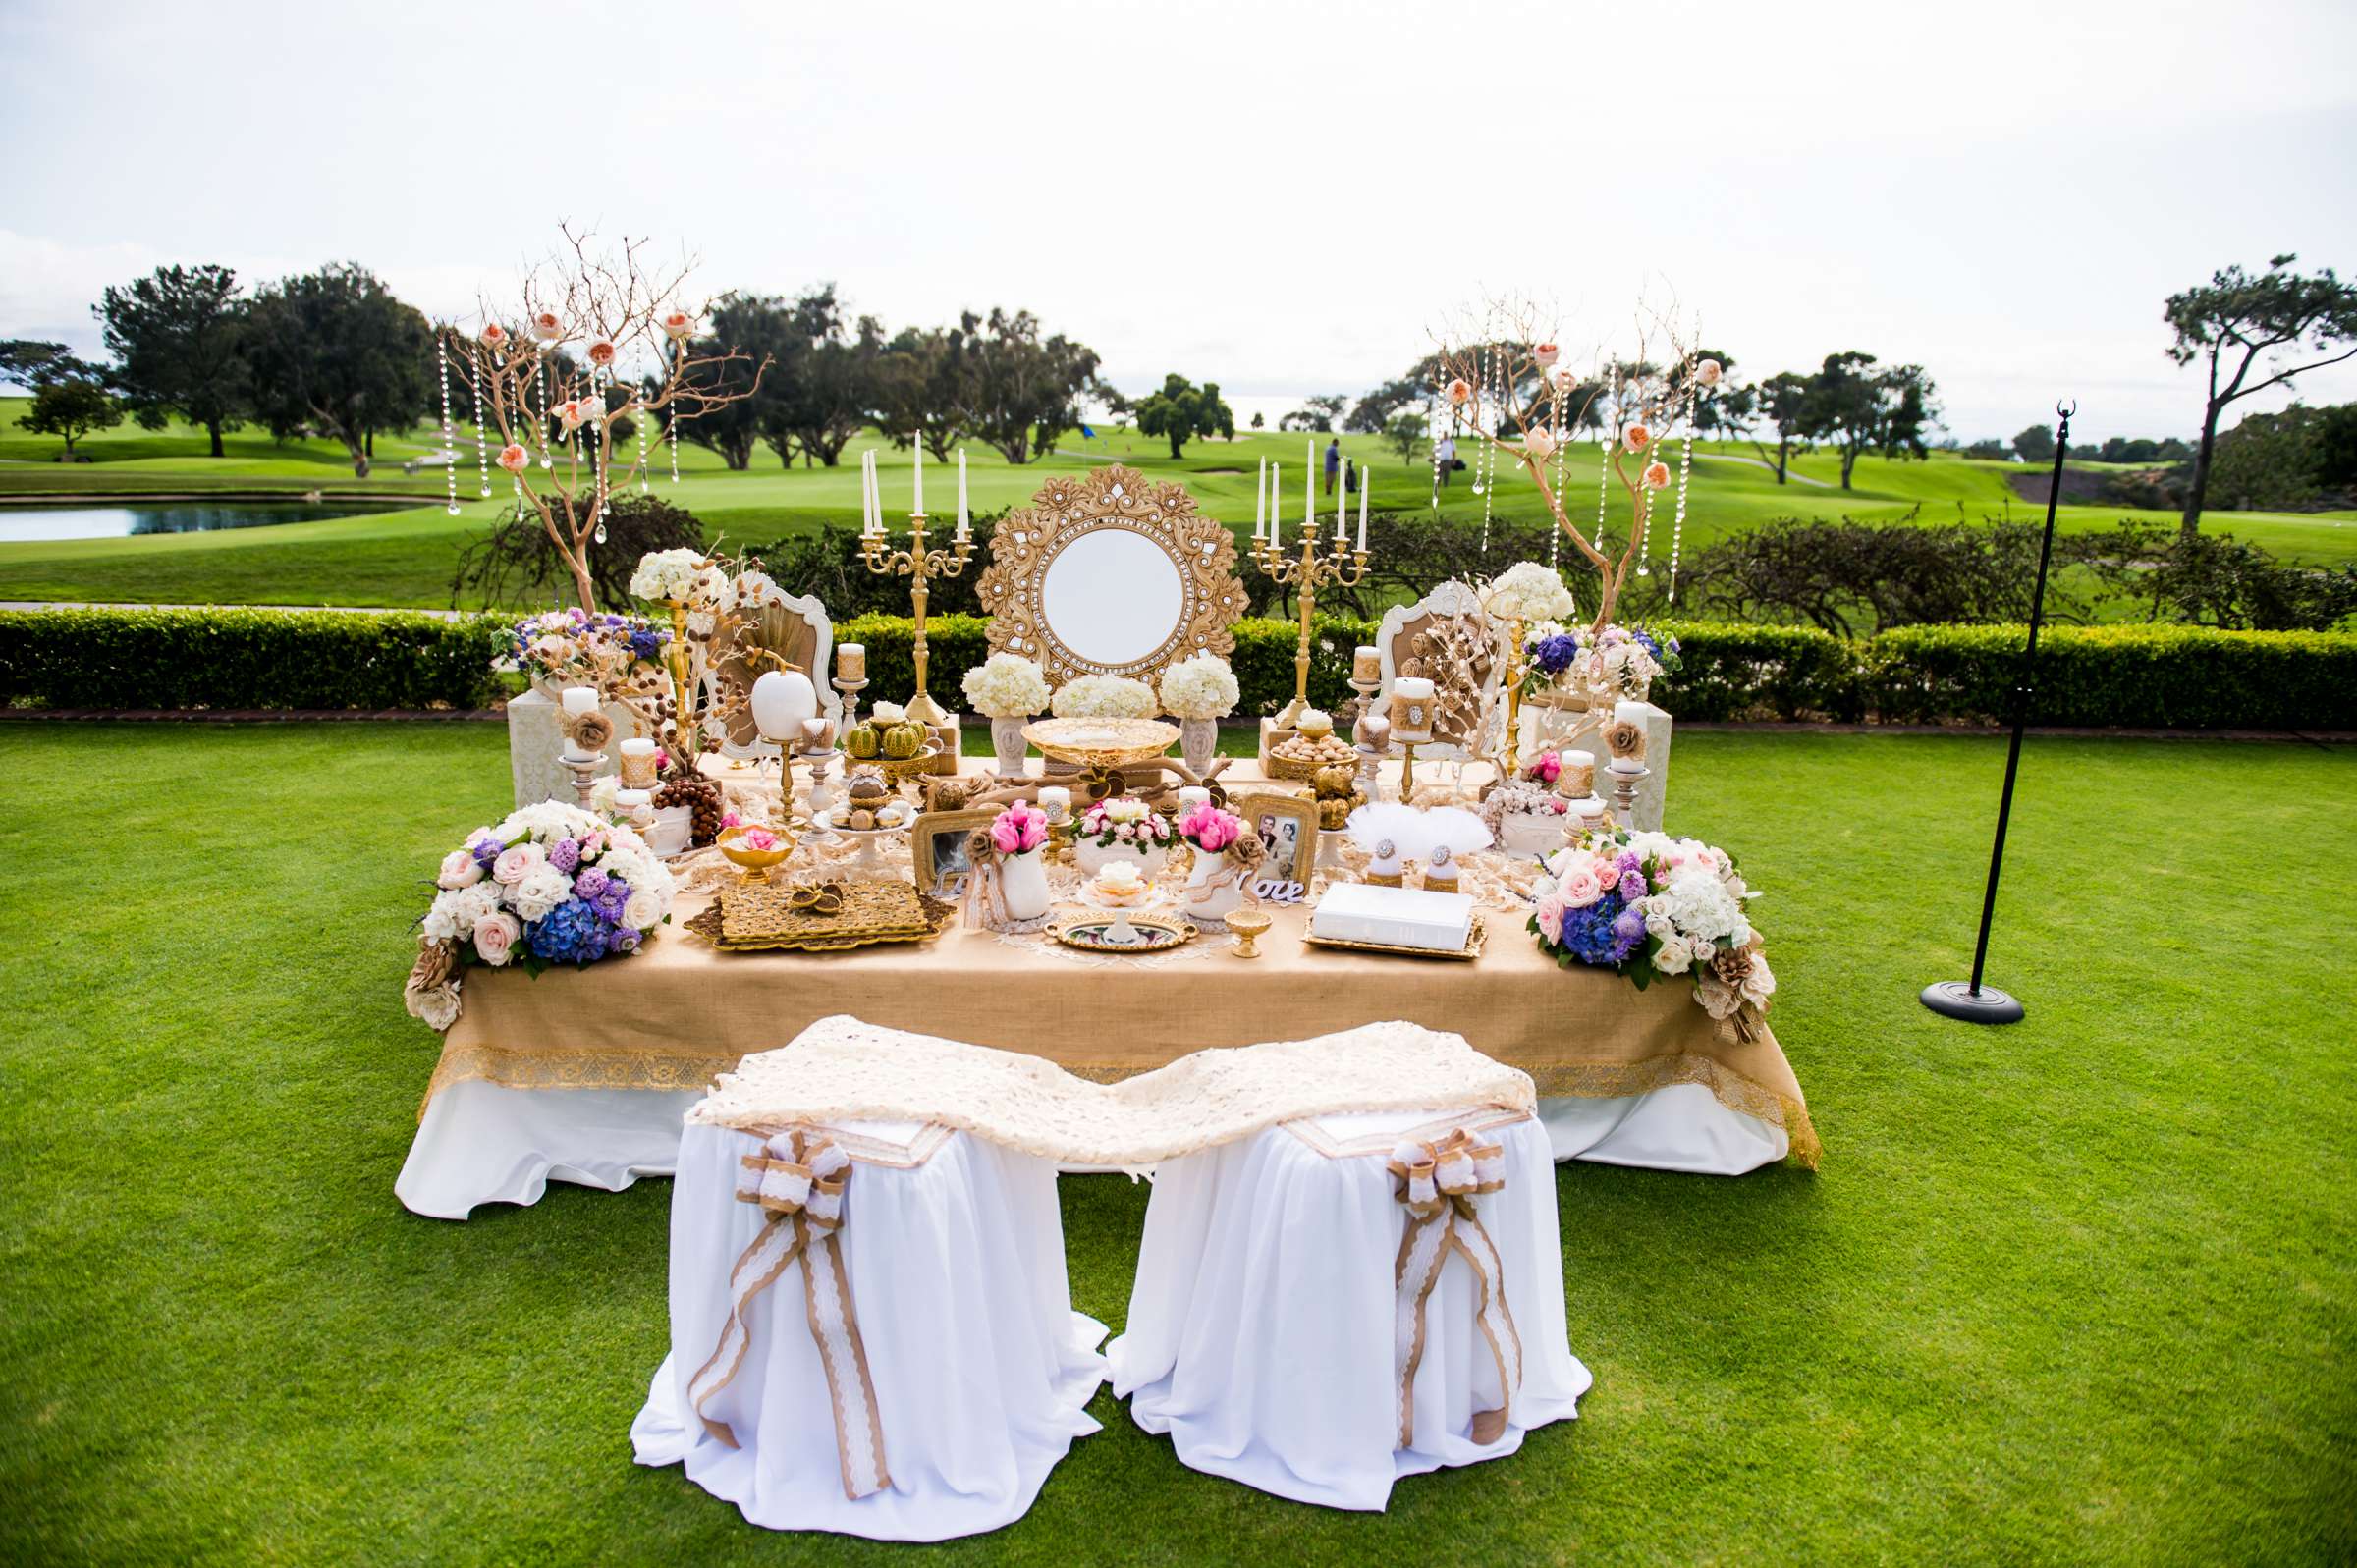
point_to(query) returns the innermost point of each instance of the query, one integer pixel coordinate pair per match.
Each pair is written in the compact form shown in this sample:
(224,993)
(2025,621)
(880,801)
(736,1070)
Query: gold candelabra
(1335,564)
(921,566)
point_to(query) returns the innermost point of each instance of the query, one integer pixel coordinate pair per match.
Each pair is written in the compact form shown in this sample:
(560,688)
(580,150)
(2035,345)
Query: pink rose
(459,870)
(1637,437)
(494,935)
(678,326)
(1657,476)
(1551,918)
(1543,354)
(546,327)
(1580,889)
(1608,876)
(1460,391)
(601,353)
(494,335)
(512,457)
(517,862)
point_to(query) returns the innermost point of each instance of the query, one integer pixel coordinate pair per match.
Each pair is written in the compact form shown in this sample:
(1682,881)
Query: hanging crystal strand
(1607,438)
(1555,531)
(1685,469)
(540,412)
(640,422)
(1486,471)
(449,447)
(482,434)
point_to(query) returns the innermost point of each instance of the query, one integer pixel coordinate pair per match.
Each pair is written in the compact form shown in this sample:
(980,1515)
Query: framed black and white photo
(937,850)
(1287,827)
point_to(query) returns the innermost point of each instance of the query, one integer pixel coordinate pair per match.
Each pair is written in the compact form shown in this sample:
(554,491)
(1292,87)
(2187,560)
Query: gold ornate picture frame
(1288,826)
(937,848)
(1109,572)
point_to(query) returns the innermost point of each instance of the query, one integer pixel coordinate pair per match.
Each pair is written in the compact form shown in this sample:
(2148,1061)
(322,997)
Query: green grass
(2080,1290)
(405,558)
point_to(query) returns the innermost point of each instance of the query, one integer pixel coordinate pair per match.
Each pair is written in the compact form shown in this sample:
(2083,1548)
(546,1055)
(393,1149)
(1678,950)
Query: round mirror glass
(1112,597)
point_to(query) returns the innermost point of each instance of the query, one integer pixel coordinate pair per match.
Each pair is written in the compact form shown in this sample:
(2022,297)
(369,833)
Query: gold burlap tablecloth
(679,1013)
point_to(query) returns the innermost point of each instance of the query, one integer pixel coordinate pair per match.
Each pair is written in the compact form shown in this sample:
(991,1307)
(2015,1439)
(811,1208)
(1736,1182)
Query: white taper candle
(962,522)
(918,469)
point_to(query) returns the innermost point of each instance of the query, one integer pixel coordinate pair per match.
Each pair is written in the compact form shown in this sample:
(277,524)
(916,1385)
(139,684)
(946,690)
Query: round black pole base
(1955,999)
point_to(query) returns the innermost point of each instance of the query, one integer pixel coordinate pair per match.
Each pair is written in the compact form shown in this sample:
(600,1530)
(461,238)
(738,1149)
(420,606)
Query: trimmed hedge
(135,659)
(2187,677)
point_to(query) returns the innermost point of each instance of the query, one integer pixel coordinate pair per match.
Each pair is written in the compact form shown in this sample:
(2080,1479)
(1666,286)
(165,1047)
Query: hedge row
(134,658)
(2143,677)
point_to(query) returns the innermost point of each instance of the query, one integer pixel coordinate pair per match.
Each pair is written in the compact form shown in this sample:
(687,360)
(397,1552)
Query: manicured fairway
(2076,1291)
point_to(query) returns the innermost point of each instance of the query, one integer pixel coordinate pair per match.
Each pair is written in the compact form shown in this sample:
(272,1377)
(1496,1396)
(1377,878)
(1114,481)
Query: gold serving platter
(759,916)
(899,770)
(1475,939)
(1156,933)
(1102,742)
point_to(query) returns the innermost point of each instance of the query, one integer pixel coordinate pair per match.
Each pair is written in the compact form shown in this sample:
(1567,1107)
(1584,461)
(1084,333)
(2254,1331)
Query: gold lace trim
(666,1069)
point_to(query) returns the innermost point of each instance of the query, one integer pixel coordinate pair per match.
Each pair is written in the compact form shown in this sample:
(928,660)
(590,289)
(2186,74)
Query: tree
(176,335)
(917,387)
(70,407)
(1259,420)
(725,368)
(1372,415)
(334,351)
(2270,461)
(2236,320)
(1858,407)
(826,389)
(1988,448)
(1020,388)
(1782,402)
(1182,411)
(2036,444)
(1405,434)
(1315,413)
(30,363)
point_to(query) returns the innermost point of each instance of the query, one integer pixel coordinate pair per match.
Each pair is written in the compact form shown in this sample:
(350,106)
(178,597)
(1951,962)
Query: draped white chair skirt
(953,1252)
(1266,1335)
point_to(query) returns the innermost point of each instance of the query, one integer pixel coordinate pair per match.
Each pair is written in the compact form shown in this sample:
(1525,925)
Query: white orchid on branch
(550,387)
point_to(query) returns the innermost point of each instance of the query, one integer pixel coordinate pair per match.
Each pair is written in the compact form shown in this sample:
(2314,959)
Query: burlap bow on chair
(1437,1182)
(797,1179)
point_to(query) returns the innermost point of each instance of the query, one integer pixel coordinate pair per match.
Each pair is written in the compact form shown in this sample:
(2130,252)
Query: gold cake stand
(1102,747)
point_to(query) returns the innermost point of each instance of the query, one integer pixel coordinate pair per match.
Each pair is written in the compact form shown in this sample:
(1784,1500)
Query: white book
(1400,917)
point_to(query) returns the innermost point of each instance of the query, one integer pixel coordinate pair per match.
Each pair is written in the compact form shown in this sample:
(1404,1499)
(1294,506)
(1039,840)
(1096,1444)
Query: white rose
(1675,957)
(459,870)
(441,917)
(494,938)
(644,909)
(540,891)
(518,861)
(472,905)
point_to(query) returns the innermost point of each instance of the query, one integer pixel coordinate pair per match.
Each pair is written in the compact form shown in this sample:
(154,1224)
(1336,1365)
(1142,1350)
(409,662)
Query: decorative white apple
(781,700)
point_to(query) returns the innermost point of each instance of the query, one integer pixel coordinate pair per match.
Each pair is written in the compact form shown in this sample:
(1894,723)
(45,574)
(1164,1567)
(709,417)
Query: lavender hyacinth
(564,855)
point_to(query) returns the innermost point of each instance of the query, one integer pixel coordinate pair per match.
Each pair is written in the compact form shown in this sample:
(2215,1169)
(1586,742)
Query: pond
(119,519)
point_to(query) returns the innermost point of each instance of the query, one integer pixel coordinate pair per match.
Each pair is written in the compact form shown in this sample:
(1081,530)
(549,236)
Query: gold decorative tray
(899,770)
(1475,939)
(757,916)
(1102,742)
(1155,933)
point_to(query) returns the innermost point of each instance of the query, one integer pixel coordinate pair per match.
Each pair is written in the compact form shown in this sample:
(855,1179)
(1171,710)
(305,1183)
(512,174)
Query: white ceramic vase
(1089,856)
(1024,883)
(1007,740)
(672,826)
(1198,743)
(1211,890)
(1531,832)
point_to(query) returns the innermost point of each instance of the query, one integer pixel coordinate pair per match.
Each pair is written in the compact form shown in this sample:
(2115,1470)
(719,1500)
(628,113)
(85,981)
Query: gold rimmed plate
(1152,932)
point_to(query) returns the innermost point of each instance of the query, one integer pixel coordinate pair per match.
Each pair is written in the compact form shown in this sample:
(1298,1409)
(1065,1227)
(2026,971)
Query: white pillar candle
(1260,504)
(638,746)
(1190,796)
(1362,513)
(1366,662)
(851,661)
(1629,713)
(962,522)
(918,448)
(1057,801)
(868,493)
(1309,495)
(580,699)
(631,802)
(1276,506)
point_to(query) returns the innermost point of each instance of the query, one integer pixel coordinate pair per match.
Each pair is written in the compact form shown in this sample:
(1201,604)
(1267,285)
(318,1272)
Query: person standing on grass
(1445,455)
(1334,462)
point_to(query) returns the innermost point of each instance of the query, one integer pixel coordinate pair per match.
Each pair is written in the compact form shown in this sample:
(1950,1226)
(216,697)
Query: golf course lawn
(2077,1290)
(405,559)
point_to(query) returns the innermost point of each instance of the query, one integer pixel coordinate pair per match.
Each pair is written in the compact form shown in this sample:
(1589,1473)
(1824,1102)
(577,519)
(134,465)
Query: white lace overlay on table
(840,1069)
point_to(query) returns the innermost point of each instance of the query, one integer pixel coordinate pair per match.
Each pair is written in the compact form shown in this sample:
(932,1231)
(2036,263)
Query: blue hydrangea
(571,933)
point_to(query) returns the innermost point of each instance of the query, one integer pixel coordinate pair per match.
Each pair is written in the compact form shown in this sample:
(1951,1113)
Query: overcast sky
(1286,199)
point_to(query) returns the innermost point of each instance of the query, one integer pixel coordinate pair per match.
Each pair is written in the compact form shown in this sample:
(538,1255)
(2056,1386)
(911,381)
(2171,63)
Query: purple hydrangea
(610,901)
(571,933)
(1552,656)
(1603,933)
(589,884)
(1633,886)
(564,855)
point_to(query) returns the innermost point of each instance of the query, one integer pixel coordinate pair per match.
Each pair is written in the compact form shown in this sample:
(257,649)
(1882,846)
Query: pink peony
(1579,888)
(516,862)
(546,327)
(1657,476)
(680,326)
(1460,391)
(1637,437)
(1551,918)
(601,353)
(494,935)
(1549,766)
(1544,354)
(512,457)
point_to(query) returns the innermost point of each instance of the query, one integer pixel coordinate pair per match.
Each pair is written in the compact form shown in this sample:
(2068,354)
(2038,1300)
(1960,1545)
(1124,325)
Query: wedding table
(582,1075)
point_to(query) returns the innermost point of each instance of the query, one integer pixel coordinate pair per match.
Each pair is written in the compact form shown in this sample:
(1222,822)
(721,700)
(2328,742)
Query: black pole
(1972,1001)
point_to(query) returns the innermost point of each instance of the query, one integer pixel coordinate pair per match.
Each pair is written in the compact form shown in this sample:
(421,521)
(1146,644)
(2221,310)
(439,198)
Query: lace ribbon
(797,1179)
(1437,1182)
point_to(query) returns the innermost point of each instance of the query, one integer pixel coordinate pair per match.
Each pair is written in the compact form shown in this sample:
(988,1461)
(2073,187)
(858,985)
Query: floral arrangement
(551,884)
(1530,793)
(573,648)
(1019,830)
(1105,697)
(1624,660)
(1199,687)
(686,576)
(1653,907)
(1006,686)
(1209,829)
(1125,820)
(1528,591)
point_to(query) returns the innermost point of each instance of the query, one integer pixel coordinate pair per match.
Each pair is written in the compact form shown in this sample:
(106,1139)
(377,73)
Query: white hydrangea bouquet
(685,576)
(1006,686)
(1528,591)
(1200,687)
(1653,908)
(552,884)
(1104,697)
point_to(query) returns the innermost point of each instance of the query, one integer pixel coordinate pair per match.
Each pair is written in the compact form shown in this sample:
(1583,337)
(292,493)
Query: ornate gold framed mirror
(1110,573)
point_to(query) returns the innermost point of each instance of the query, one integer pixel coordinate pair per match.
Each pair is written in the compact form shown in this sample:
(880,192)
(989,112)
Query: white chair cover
(1262,1331)
(953,1252)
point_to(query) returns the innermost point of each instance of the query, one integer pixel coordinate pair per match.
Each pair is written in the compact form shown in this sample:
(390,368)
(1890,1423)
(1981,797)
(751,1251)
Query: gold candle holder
(919,566)
(1322,561)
